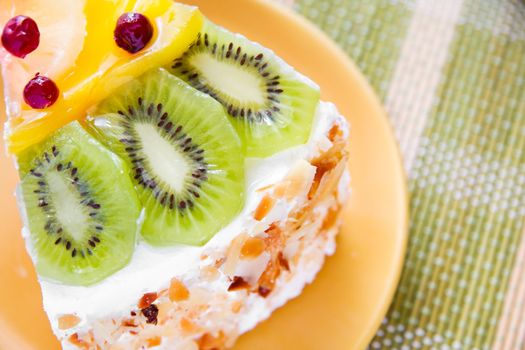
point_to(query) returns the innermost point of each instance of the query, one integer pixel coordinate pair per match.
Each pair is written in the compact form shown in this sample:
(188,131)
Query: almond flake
(264,208)
(147,299)
(155,341)
(68,321)
(178,291)
(252,248)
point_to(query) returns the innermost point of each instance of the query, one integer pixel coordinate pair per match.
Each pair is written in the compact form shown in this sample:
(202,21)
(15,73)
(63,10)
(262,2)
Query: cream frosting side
(152,268)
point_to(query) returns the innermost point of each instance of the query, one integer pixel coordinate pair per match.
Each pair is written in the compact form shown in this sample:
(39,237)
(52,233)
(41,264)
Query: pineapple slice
(101,66)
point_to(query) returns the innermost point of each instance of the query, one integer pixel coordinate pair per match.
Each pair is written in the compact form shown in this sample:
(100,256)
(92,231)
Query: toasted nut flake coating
(283,262)
(76,340)
(178,291)
(68,321)
(146,300)
(264,207)
(155,341)
(236,306)
(187,325)
(210,342)
(252,248)
(238,283)
(207,320)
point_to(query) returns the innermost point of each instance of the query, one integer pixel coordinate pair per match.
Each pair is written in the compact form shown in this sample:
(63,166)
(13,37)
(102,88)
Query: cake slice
(178,182)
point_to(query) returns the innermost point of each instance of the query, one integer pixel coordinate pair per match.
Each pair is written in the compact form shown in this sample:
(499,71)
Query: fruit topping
(151,312)
(133,32)
(21,36)
(40,92)
(271,105)
(100,67)
(185,157)
(62,26)
(81,207)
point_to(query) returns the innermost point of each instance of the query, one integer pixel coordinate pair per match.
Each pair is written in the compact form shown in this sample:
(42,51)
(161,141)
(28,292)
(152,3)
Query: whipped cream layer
(152,268)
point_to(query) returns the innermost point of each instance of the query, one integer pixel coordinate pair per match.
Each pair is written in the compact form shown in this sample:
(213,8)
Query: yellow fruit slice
(101,66)
(62,27)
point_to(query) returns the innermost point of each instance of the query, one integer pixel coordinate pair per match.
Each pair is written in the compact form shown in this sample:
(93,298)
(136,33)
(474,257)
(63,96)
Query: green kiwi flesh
(81,207)
(271,105)
(186,159)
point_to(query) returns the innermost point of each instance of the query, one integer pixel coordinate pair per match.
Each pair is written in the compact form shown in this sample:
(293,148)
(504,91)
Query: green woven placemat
(451,74)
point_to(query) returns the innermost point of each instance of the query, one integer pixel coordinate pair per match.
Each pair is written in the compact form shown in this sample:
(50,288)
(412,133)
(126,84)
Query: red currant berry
(133,32)
(41,92)
(20,36)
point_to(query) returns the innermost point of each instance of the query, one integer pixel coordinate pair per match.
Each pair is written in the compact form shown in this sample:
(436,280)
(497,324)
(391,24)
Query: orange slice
(100,66)
(60,43)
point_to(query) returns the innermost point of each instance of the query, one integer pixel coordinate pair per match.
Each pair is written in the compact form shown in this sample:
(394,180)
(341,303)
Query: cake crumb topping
(252,248)
(238,283)
(264,208)
(68,321)
(147,299)
(178,291)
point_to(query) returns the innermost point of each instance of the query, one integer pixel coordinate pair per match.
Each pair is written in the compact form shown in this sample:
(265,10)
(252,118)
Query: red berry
(133,32)
(41,92)
(21,36)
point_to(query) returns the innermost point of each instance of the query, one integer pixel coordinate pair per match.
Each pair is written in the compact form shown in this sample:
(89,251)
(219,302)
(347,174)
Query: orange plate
(345,305)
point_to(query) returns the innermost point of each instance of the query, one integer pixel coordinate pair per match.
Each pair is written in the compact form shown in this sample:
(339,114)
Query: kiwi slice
(270,104)
(81,207)
(186,159)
